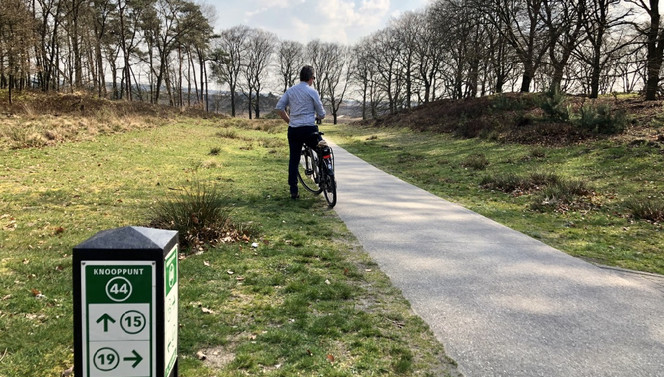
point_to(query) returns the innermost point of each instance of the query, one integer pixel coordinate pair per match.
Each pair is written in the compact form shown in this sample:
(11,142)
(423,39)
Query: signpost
(126,304)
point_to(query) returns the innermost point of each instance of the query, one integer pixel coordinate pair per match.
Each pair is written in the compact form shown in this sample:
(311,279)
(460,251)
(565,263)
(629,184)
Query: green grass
(307,301)
(599,201)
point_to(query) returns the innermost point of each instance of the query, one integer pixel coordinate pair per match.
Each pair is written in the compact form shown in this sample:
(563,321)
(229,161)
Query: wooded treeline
(166,51)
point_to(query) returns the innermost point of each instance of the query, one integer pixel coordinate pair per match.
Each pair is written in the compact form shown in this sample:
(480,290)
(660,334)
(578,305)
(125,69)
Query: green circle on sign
(171,275)
(106,359)
(118,289)
(132,322)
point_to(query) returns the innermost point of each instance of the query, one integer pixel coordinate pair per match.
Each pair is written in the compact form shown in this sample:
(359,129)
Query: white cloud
(343,21)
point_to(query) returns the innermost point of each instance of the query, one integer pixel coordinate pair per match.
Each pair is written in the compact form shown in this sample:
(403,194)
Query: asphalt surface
(502,303)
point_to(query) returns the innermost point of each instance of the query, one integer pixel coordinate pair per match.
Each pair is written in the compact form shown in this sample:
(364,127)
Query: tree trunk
(655,45)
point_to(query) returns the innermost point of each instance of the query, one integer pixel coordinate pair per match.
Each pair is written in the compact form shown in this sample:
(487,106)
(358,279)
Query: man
(305,107)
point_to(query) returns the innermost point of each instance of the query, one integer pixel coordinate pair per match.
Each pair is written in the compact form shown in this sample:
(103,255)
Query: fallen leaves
(8,223)
(203,308)
(67,373)
(36,293)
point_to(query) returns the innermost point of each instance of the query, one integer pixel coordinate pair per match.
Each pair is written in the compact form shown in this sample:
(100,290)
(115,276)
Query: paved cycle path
(502,303)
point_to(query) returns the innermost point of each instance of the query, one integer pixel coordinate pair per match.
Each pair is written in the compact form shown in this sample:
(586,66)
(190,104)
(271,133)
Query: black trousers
(297,136)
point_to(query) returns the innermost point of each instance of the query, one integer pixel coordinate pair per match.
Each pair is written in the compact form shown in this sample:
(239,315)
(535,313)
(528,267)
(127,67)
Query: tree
(601,44)
(429,54)
(386,60)
(16,39)
(171,22)
(521,23)
(290,57)
(260,47)
(564,19)
(407,33)
(227,59)
(334,73)
(364,73)
(654,33)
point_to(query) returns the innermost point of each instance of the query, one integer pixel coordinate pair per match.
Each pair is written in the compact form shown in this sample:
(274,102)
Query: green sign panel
(170,310)
(118,307)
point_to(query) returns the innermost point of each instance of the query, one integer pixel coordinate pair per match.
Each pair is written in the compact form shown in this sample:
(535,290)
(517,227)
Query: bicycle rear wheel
(330,189)
(308,171)
(329,182)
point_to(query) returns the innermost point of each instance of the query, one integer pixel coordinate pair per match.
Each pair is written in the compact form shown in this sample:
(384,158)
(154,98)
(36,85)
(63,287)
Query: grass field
(306,301)
(601,200)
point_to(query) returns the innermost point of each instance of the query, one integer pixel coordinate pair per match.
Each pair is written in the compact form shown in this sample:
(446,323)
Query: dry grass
(38,119)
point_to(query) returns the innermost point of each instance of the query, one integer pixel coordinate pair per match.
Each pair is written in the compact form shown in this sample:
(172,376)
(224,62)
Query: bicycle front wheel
(308,171)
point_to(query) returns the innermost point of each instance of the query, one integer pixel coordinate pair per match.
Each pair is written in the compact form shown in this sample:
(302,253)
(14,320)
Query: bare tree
(260,47)
(228,57)
(364,74)
(654,32)
(564,19)
(334,73)
(386,60)
(16,39)
(407,33)
(313,56)
(428,52)
(522,25)
(290,57)
(605,35)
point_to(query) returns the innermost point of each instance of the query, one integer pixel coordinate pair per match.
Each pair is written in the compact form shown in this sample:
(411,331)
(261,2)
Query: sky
(341,21)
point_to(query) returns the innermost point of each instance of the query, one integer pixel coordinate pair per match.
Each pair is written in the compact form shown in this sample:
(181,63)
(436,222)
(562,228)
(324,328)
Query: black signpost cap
(129,238)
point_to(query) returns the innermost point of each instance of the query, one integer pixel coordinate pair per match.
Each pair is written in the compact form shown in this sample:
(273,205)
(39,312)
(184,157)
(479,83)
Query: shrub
(537,152)
(601,119)
(475,161)
(560,195)
(515,183)
(227,133)
(541,178)
(507,183)
(650,209)
(553,104)
(199,214)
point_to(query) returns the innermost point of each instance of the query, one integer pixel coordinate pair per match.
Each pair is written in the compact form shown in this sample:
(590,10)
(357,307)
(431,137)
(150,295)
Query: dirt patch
(216,357)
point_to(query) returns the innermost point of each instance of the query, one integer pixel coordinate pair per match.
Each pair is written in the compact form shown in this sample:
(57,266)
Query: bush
(650,209)
(515,183)
(560,195)
(601,119)
(553,104)
(475,161)
(507,183)
(227,133)
(200,216)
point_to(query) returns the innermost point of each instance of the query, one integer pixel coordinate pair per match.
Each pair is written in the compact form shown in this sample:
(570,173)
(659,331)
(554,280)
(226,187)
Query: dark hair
(306,73)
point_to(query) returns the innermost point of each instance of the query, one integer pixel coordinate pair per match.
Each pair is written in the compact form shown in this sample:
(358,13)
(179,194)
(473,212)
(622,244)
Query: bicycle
(316,172)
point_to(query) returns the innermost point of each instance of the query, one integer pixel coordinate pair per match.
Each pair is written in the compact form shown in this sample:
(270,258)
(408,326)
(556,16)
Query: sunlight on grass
(296,296)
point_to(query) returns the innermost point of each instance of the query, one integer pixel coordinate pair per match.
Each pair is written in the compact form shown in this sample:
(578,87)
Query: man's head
(307,73)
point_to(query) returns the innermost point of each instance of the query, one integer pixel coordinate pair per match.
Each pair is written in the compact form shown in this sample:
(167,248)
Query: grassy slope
(307,301)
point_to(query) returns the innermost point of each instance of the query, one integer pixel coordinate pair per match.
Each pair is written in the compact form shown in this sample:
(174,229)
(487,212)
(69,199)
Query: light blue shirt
(304,103)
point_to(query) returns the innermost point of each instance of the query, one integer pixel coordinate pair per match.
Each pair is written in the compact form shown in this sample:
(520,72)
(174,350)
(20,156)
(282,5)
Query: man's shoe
(295,196)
